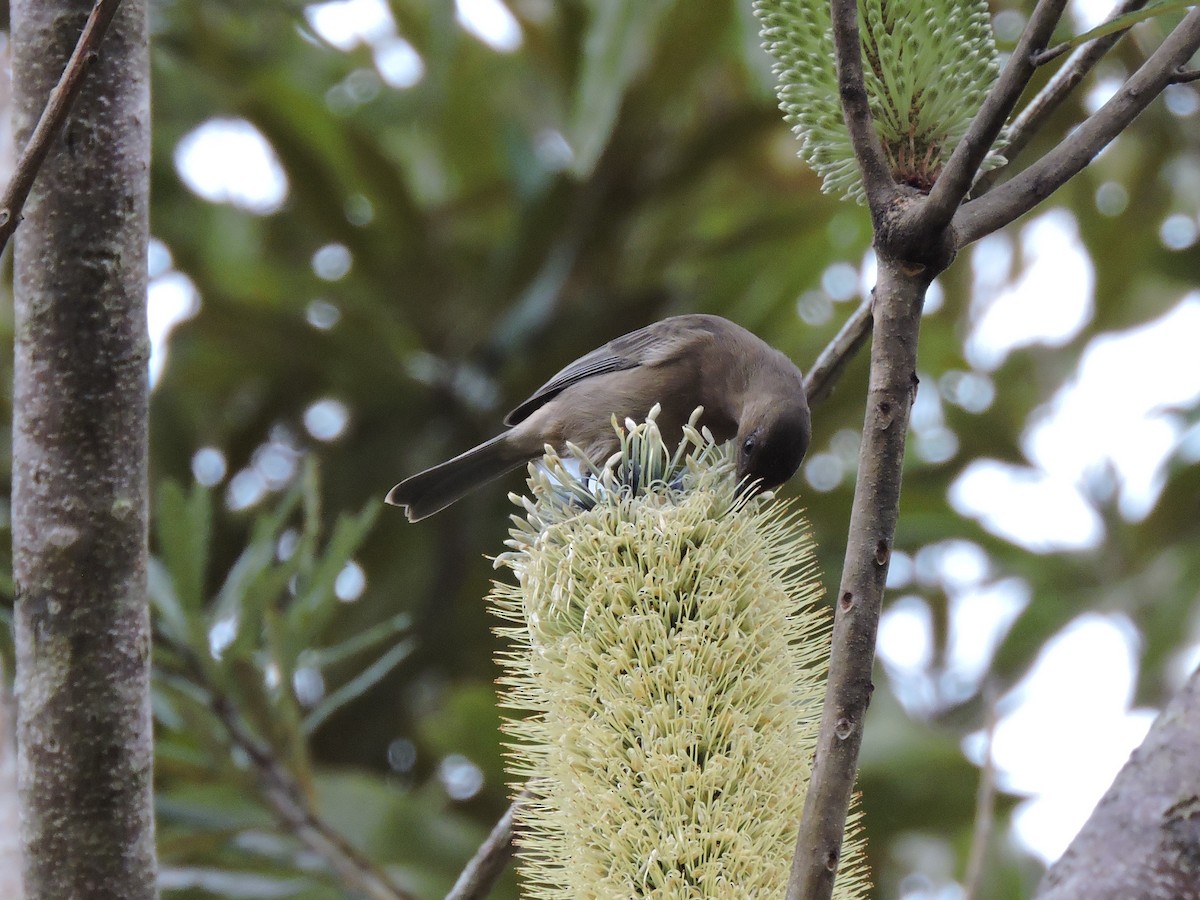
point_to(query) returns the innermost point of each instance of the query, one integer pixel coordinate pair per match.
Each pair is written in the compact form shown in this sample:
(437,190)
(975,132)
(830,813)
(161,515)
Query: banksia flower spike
(927,67)
(667,650)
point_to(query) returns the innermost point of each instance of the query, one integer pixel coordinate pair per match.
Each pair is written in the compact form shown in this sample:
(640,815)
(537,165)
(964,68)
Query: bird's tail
(434,489)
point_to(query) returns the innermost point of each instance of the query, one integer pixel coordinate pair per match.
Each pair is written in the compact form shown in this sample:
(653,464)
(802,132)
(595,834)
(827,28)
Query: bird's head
(771,441)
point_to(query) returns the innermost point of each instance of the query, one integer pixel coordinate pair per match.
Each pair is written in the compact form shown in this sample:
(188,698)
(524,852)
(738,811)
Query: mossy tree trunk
(79,467)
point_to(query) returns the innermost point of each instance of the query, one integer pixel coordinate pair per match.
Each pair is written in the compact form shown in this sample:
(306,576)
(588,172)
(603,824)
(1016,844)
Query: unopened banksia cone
(667,650)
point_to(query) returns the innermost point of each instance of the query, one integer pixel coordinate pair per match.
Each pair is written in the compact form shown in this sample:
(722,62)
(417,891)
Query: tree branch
(1026,190)
(868,150)
(480,873)
(1142,839)
(1049,98)
(899,295)
(828,367)
(51,120)
(291,806)
(960,170)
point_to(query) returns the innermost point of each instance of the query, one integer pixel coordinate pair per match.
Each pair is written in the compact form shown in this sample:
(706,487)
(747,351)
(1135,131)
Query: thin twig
(1022,193)
(899,295)
(960,170)
(828,367)
(1030,120)
(58,104)
(985,802)
(291,805)
(878,184)
(480,873)
(1185,76)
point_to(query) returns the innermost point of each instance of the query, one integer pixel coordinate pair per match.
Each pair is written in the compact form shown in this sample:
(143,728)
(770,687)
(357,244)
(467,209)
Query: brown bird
(749,390)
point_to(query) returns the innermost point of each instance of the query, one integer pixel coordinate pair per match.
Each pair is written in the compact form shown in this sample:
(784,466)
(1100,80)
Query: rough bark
(79,469)
(1143,840)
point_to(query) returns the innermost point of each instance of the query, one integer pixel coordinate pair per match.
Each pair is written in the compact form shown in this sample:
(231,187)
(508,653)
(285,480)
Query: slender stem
(1049,98)
(51,120)
(1025,191)
(985,803)
(868,150)
(480,873)
(897,314)
(960,170)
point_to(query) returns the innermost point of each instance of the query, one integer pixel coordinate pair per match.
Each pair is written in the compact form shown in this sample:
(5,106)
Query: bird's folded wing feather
(638,348)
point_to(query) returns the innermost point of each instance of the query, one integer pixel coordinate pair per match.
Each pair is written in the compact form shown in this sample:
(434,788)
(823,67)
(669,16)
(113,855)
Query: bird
(750,392)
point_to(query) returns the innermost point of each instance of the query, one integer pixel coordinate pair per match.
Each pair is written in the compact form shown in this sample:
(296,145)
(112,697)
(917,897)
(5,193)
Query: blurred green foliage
(482,257)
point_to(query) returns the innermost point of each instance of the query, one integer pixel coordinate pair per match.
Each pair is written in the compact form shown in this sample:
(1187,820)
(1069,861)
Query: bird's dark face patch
(770,453)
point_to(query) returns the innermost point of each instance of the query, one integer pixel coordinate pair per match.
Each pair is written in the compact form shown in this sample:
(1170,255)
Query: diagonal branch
(868,150)
(58,105)
(287,799)
(1141,839)
(828,367)
(480,873)
(1026,190)
(1049,98)
(960,170)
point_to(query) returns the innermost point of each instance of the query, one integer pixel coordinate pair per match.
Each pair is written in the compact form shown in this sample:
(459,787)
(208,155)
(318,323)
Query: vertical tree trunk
(79,469)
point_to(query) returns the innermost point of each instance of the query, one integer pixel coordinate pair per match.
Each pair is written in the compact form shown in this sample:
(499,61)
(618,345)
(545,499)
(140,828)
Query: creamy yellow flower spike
(667,651)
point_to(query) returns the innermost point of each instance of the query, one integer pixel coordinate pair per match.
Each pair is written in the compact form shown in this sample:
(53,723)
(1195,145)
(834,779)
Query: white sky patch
(171,299)
(1117,410)
(1026,506)
(491,22)
(1070,731)
(980,616)
(398,63)
(229,161)
(1087,14)
(1048,303)
(347,24)
(1100,93)
(906,635)
(979,619)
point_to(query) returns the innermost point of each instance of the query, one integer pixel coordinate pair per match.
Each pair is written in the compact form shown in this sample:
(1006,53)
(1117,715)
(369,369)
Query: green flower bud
(926,66)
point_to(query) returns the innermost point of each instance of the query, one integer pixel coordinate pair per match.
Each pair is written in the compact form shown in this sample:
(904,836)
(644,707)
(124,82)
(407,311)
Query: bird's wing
(651,344)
